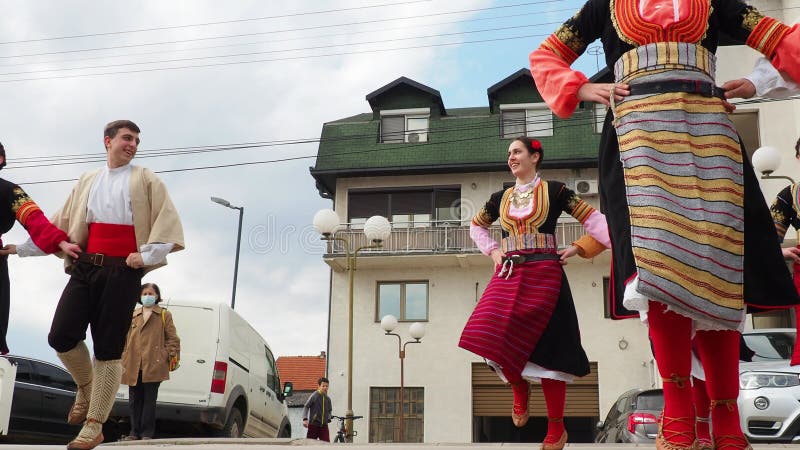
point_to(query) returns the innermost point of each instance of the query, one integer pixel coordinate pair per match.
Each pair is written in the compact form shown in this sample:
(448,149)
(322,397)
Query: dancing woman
(525,324)
(675,186)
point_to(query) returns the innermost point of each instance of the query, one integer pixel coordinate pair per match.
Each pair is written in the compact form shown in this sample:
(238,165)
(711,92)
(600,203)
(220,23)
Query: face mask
(148,300)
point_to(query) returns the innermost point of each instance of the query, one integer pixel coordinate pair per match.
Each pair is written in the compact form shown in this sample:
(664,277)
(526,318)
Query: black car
(43,395)
(633,418)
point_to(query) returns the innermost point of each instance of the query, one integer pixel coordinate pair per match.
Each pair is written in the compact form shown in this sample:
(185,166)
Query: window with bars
(404,128)
(408,300)
(533,120)
(384,414)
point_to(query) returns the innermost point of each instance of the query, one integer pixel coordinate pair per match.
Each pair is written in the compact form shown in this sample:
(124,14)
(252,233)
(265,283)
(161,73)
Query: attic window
(406,125)
(526,119)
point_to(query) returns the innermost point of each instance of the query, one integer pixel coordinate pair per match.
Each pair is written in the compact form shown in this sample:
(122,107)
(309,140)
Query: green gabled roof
(464,140)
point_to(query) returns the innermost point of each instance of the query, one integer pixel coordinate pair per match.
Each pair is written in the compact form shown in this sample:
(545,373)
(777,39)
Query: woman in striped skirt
(525,324)
(676,186)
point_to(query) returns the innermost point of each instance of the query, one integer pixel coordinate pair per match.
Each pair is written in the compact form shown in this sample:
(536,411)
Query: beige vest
(155,219)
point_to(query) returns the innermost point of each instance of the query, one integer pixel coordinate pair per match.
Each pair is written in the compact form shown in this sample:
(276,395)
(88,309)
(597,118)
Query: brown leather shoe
(76,444)
(77,413)
(704,444)
(663,444)
(555,445)
(731,442)
(521,419)
(86,445)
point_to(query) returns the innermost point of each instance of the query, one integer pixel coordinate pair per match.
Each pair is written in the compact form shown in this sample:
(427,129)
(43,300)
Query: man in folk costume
(123,217)
(676,187)
(17,206)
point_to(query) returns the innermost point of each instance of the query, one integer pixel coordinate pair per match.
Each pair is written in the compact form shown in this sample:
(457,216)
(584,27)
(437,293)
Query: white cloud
(283,283)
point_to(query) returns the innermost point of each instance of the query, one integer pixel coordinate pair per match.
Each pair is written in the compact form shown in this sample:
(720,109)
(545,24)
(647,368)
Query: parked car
(43,395)
(769,396)
(633,418)
(227,384)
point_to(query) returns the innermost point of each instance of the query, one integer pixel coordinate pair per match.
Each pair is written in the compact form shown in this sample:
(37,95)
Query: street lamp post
(377,230)
(227,204)
(417,331)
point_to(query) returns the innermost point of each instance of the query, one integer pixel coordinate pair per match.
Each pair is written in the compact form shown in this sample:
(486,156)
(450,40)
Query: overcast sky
(283,85)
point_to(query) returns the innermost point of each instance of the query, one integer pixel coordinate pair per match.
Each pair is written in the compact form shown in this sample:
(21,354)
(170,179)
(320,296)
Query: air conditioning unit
(413,137)
(586,187)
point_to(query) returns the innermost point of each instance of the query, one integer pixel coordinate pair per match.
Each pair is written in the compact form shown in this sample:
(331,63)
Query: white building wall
(778,121)
(438,364)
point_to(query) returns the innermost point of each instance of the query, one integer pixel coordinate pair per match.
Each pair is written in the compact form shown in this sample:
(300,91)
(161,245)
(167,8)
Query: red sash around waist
(111,239)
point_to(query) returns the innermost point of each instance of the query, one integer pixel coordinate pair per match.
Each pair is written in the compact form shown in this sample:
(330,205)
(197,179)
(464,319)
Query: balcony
(433,238)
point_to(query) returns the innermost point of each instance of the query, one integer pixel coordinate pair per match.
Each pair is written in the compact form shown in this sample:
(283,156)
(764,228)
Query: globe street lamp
(766,160)
(377,229)
(227,204)
(417,331)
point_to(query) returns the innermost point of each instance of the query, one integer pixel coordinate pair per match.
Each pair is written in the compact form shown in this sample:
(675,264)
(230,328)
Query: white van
(227,384)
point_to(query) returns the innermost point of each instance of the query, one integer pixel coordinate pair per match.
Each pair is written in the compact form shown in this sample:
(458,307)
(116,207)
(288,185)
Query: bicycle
(341,433)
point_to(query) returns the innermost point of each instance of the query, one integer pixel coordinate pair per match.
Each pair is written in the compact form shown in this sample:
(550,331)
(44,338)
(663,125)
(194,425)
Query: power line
(320,36)
(235,55)
(288,58)
(494,123)
(315,27)
(224,22)
(309,28)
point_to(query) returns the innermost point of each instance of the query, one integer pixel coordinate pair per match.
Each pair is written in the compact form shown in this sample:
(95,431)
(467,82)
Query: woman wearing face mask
(152,342)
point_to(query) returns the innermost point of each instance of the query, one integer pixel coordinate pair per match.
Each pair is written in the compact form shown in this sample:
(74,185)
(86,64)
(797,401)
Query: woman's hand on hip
(568,252)
(601,92)
(497,256)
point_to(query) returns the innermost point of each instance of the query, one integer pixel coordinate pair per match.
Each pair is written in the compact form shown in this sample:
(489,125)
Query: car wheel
(234,426)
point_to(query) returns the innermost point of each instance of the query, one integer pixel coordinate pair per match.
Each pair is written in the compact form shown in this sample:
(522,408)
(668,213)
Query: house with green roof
(428,169)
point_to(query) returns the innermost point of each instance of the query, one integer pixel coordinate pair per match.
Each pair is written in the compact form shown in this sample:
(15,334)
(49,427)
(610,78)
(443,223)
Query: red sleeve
(43,233)
(556,82)
(787,53)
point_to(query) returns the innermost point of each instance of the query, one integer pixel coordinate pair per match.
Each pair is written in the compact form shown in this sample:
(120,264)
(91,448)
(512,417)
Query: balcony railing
(435,237)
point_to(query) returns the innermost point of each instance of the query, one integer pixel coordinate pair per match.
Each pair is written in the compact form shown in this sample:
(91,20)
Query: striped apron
(682,162)
(515,308)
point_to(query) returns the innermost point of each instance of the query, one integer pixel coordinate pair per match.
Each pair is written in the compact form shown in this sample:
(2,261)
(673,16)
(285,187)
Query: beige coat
(154,216)
(149,346)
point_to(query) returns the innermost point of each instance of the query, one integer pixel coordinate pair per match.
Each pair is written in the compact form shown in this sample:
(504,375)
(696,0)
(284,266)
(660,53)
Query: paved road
(281,444)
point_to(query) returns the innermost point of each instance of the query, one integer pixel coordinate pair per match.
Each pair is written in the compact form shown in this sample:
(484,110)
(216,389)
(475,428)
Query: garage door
(491,397)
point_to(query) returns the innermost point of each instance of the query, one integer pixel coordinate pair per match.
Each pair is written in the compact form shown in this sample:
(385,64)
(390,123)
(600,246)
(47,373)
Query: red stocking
(671,337)
(719,352)
(520,388)
(555,394)
(701,405)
